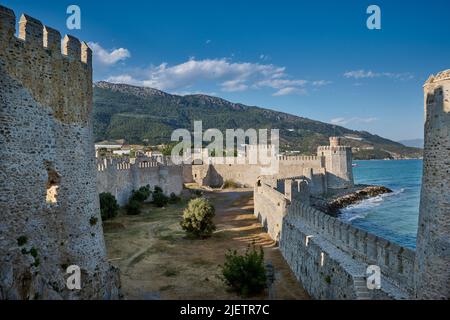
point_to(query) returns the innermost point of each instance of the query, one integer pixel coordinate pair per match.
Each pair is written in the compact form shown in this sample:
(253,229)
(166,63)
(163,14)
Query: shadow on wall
(214,178)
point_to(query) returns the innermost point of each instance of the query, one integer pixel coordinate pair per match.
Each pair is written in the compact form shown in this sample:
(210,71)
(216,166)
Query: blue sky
(313,59)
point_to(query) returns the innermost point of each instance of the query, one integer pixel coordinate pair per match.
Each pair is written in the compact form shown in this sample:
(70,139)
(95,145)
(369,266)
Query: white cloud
(234,86)
(342,121)
(320,83)
(106,57)
(281,83)
(125,79)
(290,90)
(363,74)
(223,73)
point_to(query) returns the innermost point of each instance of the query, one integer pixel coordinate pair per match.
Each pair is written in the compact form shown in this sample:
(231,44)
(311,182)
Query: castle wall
(214,175)
(332,262)
(120,177)
(433,240)
(48,197)
(338,163)
(270,207)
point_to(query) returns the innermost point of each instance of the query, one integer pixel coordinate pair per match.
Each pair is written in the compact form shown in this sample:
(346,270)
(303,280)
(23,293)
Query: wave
(361,209)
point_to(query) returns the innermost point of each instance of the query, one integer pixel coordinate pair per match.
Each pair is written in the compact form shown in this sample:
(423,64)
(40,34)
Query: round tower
(432,265)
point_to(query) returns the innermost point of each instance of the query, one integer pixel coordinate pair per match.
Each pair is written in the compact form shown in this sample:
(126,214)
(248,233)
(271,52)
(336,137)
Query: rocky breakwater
(333,203)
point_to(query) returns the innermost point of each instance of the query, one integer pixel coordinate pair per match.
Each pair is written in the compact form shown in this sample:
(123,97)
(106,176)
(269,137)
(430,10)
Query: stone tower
(49,208)
(338,162)
(432,266)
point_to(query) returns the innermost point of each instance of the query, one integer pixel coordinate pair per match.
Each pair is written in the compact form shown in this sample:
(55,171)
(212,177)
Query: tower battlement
(36,59)
(50,197)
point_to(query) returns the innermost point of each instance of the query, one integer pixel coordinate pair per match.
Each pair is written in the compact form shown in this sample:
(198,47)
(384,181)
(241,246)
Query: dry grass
(158,260)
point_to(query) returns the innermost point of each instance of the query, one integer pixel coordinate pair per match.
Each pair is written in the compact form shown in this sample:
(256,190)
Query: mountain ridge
(139,114)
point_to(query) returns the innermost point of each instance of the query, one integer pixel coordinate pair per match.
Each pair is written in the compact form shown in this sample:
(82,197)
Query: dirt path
(157,261)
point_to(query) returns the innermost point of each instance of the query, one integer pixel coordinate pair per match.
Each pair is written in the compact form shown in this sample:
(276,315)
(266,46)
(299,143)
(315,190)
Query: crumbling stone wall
(433,238)
(49,209)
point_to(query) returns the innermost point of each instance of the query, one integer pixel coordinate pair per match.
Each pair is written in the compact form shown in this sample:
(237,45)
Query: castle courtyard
(157,261)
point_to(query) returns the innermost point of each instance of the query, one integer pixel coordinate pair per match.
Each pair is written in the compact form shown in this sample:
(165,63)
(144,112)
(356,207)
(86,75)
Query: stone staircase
(362,293)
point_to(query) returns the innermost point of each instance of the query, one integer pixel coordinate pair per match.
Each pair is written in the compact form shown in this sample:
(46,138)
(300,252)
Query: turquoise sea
(393,216)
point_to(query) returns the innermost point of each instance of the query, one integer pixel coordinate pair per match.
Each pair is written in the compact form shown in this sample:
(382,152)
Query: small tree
(198,218)
(108,206)
(245,274)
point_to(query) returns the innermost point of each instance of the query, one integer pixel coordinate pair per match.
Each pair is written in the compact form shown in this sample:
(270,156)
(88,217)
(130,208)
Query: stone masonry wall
(433,238)
(120,177)
(214,175)
(331,168)
(49,207)
(335,256)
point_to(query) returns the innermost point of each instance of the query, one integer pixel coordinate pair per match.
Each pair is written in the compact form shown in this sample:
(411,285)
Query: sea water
(392,216)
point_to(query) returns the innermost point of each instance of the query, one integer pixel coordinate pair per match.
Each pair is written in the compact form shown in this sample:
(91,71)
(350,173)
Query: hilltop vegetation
(144,114)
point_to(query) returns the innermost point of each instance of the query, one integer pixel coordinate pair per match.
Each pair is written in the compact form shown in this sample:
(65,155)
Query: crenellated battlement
(57,76)
(298,158)
(443,75)
(334,148)
(46,131)
(326,246)
(34,33)
(120,176)
(104,164)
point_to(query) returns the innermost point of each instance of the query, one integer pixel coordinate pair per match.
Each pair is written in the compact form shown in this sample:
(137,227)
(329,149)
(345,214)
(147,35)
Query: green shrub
(245,274)
(158,190)
(133,207)
(160,199)
(230,184)
(173,198)
(108,206)
(142,194)
(198,218)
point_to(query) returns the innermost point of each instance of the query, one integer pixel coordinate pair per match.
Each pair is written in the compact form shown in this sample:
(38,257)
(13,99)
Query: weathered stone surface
(120,177)
(433,238)
(330,168)
(48,196)
(328,256)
